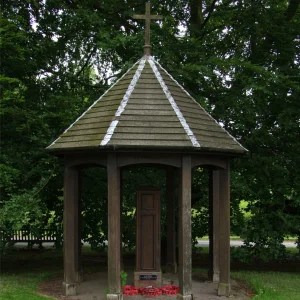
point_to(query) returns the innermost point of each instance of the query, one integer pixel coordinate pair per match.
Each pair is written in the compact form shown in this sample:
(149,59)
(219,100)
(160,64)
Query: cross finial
(147,17)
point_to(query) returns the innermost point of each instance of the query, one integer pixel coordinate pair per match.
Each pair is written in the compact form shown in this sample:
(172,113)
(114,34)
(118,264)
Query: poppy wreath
(129,290)
(153,291)
(170,290)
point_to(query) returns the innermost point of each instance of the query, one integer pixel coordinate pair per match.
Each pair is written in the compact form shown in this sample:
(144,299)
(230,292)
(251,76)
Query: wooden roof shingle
(146,108)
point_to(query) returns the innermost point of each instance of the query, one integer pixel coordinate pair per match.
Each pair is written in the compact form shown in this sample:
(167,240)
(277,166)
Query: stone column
(224,229)
(215,184)
(71,232)
(78,217)
(114,239)
(184,232)
(171,232)
(210,225)
(121,221)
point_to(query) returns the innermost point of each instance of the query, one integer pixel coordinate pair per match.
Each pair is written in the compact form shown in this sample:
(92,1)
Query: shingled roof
(146,108)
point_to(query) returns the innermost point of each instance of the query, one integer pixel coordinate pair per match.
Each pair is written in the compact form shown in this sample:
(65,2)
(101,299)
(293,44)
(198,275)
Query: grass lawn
(22,271)
(22,286)
(271,285)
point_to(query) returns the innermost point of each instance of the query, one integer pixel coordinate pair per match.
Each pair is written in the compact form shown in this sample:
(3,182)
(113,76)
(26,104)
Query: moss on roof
(146,108)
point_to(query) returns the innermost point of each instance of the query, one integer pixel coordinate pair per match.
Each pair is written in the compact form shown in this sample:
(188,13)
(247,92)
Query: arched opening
(91,214)
(121,181)
(138,180)
(94,207)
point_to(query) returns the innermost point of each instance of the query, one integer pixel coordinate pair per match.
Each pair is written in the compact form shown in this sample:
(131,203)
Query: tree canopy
(239,59)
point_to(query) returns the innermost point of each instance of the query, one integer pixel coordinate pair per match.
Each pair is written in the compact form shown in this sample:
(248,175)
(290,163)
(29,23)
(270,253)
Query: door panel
(148,230)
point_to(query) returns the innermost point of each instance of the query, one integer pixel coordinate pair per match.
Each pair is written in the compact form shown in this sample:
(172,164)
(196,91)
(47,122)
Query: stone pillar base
(114,296)
(79,276)
(69,289)
(184,297)
(171,268)
(216,277)
(224,289)
(144,283)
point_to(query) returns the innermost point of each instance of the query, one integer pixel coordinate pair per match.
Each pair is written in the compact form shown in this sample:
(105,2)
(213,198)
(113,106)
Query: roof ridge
(175,107)
(197,103)
(114,123)
(95,102)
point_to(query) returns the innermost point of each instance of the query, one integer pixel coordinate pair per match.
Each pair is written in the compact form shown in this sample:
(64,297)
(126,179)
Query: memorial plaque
(148,277)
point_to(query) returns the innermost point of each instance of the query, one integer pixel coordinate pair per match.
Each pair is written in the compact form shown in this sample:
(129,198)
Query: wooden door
(148,230)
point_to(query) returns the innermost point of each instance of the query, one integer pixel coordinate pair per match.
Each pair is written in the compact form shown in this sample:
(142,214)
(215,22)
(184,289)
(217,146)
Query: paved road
(235,243)
(201,243)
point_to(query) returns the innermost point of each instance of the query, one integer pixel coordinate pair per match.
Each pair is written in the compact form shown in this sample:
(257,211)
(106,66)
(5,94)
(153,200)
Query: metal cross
(147,17)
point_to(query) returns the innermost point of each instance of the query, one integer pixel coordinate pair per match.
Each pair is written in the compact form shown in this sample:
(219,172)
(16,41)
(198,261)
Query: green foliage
(266,252)
(123,276)
(200,211)
(239,59)
(298,245)
(94,207)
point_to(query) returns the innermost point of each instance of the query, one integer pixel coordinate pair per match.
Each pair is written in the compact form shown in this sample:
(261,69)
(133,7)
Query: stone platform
(94,288)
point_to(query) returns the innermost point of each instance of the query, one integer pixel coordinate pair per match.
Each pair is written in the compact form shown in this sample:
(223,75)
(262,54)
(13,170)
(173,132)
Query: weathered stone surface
(114,225)
(184,297)
(224,289)
(144,283)
(171,268)
(69,289)
(114,296)
(216,277)
(184,229)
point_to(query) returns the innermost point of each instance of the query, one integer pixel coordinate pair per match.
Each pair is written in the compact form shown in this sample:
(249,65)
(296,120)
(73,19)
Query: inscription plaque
(148,277)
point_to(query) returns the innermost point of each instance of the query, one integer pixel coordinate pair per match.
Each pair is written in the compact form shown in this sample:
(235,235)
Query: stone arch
(209,162)
(159,161)
(84,161)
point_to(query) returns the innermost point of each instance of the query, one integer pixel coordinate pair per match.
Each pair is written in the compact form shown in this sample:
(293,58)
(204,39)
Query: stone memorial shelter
(148,119)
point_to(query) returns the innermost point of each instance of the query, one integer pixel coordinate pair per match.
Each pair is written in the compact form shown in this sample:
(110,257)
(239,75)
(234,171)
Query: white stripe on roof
(121,108)
(94,104)
(201,106)
(180,116)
